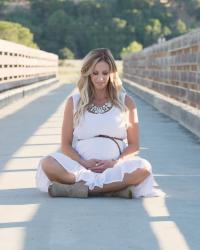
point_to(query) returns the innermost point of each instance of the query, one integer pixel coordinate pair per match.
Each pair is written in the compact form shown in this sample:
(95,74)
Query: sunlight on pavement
(19,164)
(17,172)
(17,213)
(166,231)
(168,235)
(17,180)
(39,139)
(12,235)
(156,207)
(16,106)
(35,151)
(12,238)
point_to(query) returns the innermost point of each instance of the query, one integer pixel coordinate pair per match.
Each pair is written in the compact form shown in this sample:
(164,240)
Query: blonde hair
(86,87)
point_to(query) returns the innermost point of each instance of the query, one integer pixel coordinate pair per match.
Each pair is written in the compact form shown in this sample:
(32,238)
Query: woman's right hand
(89,164)
(97,166)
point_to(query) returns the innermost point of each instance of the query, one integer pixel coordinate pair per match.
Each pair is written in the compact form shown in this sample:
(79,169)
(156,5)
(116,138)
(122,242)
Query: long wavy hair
(86,87)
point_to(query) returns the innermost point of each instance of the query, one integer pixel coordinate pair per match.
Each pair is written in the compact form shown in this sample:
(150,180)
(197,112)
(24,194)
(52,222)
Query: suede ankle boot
(127,193)
(76,190)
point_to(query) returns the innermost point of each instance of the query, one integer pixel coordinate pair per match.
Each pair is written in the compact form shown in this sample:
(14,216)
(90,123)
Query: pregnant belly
(99,148)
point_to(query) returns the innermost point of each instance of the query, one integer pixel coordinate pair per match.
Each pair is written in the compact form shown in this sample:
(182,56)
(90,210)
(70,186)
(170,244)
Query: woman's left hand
(102,165)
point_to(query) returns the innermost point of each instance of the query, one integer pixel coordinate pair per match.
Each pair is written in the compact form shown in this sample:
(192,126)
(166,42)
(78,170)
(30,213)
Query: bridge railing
(21,65)
(171,68)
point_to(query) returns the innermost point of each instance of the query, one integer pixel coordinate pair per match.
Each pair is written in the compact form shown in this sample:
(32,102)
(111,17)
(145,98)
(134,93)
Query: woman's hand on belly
(102,165)
(89,164)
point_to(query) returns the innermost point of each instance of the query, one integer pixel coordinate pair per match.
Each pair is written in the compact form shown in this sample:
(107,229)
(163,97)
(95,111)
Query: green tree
(66,53)
(154,29)
(16,33)
(83,25)
(181,27)
(21,16)
(56,28)
(133,47)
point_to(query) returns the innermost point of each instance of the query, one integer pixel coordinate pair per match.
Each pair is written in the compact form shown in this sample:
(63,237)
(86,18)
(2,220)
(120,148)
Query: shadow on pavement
(112,223)
(18,127)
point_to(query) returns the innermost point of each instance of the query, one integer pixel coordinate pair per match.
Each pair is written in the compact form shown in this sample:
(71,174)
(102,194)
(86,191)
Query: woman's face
(100,75)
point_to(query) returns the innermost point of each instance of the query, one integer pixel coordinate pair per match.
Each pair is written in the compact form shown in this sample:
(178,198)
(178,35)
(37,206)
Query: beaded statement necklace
(92,108)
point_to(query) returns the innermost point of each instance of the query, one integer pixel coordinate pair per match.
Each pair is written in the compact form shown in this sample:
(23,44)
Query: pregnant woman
(102,120)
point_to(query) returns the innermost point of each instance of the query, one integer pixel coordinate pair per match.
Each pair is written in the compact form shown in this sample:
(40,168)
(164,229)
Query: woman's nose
(100,78)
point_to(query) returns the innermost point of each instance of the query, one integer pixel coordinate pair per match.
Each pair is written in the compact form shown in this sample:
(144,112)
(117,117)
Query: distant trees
(133,47)
(16,33)
(72,28)
(66,53)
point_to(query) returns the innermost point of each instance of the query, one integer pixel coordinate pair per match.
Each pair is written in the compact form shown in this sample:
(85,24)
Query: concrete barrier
(187,116)
(24,70)
(15,94)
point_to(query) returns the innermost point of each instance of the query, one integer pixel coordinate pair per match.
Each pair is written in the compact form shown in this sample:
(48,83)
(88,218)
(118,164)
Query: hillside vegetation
(72,28)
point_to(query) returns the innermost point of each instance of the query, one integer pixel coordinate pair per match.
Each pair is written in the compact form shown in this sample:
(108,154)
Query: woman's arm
(132,130)
(67,137)
(67,132)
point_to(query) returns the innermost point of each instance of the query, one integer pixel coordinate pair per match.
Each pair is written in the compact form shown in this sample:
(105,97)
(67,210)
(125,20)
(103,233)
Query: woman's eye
(104,73)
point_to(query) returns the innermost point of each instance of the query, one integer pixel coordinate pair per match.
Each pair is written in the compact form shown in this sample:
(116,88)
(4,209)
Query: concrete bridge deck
(31,220)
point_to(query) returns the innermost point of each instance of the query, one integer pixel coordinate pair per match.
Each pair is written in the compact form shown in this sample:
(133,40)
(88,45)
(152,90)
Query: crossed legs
(55,172)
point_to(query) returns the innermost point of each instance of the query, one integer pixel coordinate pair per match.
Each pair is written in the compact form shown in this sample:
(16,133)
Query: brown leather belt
(114,139)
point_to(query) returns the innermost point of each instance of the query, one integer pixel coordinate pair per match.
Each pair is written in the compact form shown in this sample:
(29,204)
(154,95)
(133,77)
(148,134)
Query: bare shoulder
(69,103)
(70,100)
(129,102)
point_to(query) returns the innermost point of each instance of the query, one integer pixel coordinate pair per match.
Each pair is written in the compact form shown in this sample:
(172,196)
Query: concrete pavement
(31,220)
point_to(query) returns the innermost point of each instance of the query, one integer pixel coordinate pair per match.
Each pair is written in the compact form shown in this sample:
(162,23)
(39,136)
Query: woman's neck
(100,96)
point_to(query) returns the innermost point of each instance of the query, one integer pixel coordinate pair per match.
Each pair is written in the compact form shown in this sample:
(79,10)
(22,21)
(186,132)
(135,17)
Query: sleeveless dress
(111,123)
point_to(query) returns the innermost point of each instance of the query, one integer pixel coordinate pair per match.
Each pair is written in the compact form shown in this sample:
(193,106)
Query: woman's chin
(100,87)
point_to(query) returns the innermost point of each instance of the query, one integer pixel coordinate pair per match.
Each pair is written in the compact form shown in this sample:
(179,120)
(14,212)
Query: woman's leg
(55,171)
(133,178)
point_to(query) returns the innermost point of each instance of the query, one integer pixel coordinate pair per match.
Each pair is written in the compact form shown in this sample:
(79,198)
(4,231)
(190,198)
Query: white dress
(111,123)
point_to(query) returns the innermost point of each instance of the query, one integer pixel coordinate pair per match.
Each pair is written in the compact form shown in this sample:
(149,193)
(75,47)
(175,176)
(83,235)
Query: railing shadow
(112,223)
(13,134)
(174,154)
(95,223)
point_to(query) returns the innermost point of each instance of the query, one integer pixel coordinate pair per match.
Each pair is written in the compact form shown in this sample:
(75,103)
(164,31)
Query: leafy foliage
(16,33)
(80,26)
(66,53)
(133,47)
